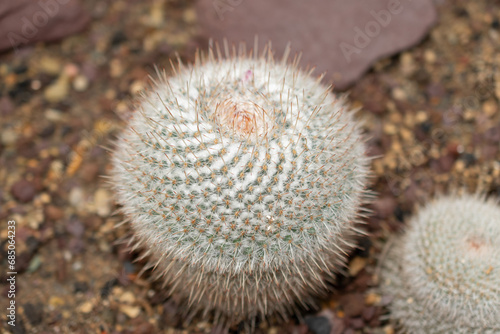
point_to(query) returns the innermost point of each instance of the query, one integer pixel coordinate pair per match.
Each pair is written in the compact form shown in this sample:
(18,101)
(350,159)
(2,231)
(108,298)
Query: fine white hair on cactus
(242,178)
(444,273)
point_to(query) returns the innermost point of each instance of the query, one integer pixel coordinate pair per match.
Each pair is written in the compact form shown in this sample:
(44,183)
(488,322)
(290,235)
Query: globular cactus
(444,273)
(242,179)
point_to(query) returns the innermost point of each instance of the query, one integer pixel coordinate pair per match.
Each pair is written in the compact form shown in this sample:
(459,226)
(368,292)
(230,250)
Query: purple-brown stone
(342,38)
(23,191)
(24,22)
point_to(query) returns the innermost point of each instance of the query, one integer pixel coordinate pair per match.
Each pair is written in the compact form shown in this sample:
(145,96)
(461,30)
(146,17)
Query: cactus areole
(242,179)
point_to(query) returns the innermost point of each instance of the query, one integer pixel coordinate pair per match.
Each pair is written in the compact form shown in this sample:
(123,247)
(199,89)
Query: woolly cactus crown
(444,273)
(241,166)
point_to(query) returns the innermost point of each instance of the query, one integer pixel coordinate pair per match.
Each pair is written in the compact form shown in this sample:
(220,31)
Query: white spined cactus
(444,273)
(242,178)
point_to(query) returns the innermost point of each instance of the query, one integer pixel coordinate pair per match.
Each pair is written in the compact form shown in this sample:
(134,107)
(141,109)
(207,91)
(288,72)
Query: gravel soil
(431,115)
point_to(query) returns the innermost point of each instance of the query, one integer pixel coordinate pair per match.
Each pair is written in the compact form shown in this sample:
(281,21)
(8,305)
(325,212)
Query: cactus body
(444,273)
(242,180)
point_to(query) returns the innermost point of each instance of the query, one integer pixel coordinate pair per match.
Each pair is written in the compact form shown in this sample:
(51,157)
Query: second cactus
(444,273)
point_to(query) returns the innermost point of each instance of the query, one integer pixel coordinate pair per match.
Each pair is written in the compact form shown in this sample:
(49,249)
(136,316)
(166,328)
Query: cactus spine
(242,179)
(444,273)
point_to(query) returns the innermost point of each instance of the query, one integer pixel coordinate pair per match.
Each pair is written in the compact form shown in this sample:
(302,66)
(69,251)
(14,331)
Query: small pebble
(35,264)
(34,313)
(80,286)
(50,65)
(399,94)
(53,115)
(390,129)
(116,68)
(127,298)
(384,206)
(357,323)
(36,84)
(55,301)
(80,83)
(136,87)
(6,106)
(430,56)
(77,266)
(368,313)
(9,137)
(372,298)
(86,307)
(156,15)
(76,197)
(71,70)
(421,116)
(389,329)
(131,311)
(89,171)
(353,304)
(75,227)
(408,66)
(53,213)
(318,324)
(23,191)
(356,265)
(102,202)
(108,286)
(58,90)
(490,108)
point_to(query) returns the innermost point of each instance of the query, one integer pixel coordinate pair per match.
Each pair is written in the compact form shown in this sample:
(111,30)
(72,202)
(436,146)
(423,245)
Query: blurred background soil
(431,115)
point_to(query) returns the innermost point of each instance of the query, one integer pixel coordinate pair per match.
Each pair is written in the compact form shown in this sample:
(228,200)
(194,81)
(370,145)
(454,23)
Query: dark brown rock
(6,106)
(384,206)
(489,152)
(89,172)
(353,304)
(62,272)
(76,245)
(356,323)
(342,37)
(443,164)
(144,328)
(368,313)
(291,328)
(53,213)
(75,227)
(34,313)
(318,324)
(23,191)
(24,22)
(337,324)
(171,313)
